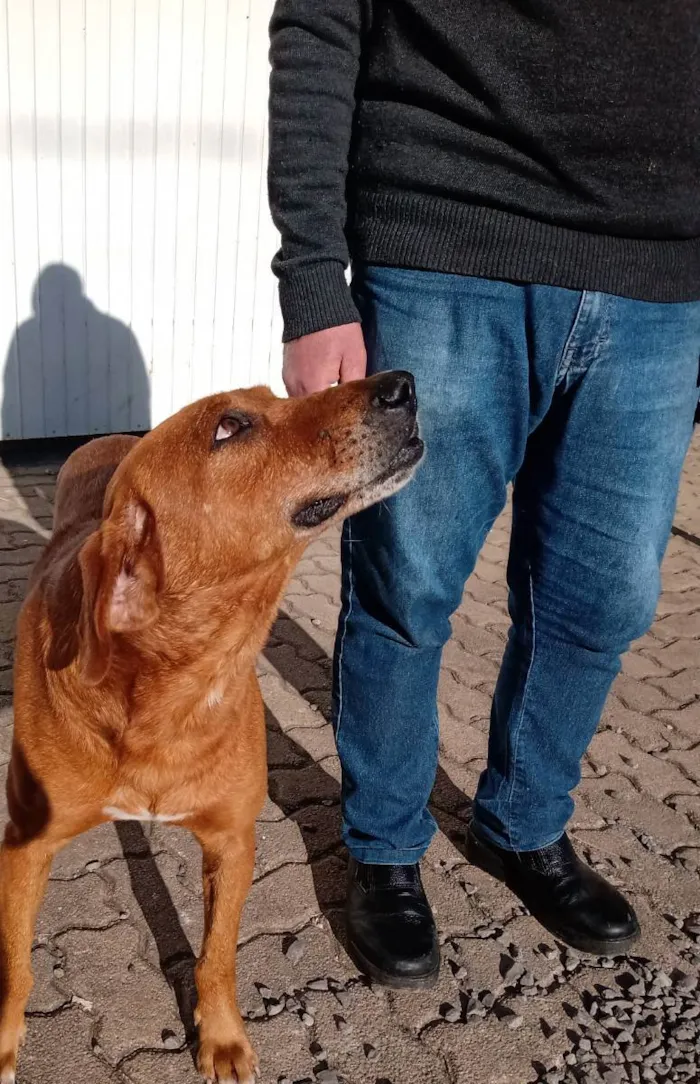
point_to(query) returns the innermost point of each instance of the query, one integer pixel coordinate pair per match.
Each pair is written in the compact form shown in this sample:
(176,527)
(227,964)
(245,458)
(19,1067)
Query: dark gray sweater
(546,141)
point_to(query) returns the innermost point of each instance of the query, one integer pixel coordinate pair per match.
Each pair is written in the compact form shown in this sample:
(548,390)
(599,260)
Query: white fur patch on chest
(215,695)
(116,814)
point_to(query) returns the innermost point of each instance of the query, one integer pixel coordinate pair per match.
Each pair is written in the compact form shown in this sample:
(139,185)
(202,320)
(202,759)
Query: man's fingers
(324,358)
(353,367)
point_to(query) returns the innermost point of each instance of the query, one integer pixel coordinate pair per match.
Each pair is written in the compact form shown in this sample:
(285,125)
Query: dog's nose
(393,391)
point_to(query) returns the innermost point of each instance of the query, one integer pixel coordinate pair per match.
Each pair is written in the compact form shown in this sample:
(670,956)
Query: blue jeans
(586,402)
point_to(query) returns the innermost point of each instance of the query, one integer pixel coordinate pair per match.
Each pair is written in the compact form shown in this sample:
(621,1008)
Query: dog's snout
(394,391)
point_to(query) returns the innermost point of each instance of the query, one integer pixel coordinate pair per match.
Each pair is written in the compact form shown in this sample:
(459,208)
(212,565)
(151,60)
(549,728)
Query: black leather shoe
(573,902)
(391,929)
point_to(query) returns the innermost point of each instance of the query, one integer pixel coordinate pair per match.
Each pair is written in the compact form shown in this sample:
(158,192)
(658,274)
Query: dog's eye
(231,425)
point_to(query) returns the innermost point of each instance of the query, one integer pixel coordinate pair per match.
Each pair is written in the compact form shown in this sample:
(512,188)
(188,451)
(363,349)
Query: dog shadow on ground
(176,957)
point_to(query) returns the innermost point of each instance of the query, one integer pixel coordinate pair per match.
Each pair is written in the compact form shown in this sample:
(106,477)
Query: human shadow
(72,370)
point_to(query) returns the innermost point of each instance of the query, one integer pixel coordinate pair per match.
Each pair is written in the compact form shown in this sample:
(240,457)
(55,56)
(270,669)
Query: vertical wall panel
(49,296)
(189,165)
(209,174)
(142,231)
(98,230)
(136,240)
(73,196)
(24,226)
(12,401)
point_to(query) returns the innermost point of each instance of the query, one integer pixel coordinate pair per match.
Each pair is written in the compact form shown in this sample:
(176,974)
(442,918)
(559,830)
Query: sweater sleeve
(315,58)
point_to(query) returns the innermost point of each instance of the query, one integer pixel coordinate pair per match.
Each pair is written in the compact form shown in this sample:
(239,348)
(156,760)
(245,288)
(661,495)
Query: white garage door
(135,241)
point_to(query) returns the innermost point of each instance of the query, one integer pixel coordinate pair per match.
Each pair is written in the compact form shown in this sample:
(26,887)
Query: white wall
(132,154)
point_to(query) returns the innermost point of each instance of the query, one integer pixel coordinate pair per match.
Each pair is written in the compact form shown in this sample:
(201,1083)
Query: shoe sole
(486,860)
(386,978)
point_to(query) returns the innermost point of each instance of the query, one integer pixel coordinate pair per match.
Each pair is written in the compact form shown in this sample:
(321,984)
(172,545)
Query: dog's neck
(194,662)
(192,667)
(225,624)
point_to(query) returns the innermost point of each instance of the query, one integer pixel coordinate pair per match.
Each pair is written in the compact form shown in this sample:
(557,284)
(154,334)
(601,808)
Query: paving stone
(678,626)
(477,641)
(59,1048)
(637,666)
(686,719)
(161,1067)
(281,903)
(640,696)
(292,789)
(645,732)
(675,656)
(683,686)
(489,1052)
(87,903)
(459,741)
(401,1058)
(289,708)
(317,742)
(320,828)
(101,845)
(657,777)
(301,673)
(49,993)
(470,669)
(688,760)
(277,845)
(107,973)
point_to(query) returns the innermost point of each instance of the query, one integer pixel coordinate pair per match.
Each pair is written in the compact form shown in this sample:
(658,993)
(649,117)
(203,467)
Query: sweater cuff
(315,297)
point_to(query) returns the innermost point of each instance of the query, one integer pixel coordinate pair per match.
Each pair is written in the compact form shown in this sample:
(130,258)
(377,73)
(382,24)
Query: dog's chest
(116,813)
(149,803)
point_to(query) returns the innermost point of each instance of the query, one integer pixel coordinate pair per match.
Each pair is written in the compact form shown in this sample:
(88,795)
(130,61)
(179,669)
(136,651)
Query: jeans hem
(506,844)
(371,856)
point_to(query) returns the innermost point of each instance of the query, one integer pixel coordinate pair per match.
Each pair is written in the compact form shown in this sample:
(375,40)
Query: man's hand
(323,358)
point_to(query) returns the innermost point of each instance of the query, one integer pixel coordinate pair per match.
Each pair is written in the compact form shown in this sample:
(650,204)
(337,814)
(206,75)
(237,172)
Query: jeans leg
(593,508)
(405,561)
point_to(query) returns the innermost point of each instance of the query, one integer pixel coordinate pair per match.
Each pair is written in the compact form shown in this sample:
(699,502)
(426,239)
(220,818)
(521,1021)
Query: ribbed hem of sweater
(432,234)
(314,297)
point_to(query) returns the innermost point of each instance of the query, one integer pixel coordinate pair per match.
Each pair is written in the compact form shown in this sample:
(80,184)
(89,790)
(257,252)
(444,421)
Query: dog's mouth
(324,508)
(408,456)
(316,513)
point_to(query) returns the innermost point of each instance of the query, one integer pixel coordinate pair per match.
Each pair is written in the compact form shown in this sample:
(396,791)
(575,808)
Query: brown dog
(135,689)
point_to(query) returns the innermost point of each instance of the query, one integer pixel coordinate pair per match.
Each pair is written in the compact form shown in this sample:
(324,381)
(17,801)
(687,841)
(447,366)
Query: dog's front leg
(24,871)
(225,1053)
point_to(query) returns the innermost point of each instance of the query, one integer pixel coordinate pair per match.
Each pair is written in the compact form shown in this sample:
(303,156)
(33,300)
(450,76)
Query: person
(517,189)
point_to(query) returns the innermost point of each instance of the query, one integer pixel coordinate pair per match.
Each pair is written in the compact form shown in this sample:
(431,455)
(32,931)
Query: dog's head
(236,483)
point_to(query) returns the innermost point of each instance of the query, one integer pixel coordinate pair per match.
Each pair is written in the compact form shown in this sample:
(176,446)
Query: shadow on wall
(71,369)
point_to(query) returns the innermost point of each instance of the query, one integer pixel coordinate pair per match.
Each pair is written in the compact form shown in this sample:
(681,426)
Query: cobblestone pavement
(121,924)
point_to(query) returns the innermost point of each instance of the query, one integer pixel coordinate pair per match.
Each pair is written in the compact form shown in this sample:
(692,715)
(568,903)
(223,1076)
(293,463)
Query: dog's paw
(227,1060)
(11,1039)
(8,1064)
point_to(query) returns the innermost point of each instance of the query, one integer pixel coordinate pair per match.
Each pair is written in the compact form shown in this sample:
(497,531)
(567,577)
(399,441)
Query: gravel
(645,1031)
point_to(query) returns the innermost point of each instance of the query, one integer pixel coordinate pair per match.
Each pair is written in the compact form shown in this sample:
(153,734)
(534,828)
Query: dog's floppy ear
(120,568)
